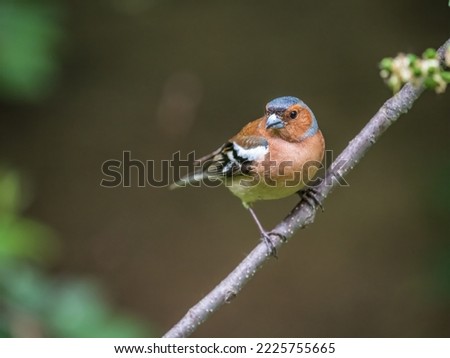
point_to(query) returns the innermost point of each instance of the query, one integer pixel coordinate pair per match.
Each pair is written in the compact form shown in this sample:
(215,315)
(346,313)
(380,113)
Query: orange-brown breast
(293,163)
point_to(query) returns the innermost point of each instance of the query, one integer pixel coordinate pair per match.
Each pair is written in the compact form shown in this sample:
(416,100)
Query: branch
(303,214)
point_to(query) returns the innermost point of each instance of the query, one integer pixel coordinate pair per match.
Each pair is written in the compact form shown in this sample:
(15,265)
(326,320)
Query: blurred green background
(80,82)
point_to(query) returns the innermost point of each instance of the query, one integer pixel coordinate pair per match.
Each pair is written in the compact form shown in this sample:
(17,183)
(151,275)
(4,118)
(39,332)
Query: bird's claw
(311,196)
(266,237)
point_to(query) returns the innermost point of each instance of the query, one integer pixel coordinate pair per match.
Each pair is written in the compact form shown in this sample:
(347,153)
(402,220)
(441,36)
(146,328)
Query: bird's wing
(233,158)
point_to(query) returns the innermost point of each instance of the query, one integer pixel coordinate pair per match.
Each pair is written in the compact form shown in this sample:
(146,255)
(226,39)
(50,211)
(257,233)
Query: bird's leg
(265,236)
(312,196)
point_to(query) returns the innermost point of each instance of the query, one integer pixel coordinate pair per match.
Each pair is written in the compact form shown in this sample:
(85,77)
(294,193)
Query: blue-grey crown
(282,103)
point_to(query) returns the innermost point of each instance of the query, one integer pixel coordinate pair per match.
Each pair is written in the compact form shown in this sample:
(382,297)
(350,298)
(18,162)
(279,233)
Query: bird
(270,158)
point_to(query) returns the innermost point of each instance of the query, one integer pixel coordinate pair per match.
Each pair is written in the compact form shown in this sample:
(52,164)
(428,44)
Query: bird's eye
(293,114)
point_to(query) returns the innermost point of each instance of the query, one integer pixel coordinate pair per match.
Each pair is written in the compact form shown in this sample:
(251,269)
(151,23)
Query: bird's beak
(274,122)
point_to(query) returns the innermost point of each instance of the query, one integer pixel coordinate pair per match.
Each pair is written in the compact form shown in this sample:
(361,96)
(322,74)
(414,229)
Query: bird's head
(290,118)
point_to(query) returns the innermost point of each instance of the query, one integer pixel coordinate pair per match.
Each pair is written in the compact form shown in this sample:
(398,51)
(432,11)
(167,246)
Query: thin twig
(303,214)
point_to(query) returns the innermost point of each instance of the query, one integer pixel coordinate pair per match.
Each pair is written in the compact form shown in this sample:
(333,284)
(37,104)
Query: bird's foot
(312,196)
(267,239)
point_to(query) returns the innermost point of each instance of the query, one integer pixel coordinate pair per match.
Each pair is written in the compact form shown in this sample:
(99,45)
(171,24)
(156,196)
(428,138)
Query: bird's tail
(209,166)
(190,179)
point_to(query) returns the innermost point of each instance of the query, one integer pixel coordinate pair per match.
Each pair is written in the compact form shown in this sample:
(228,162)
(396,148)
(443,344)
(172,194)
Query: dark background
(156,77)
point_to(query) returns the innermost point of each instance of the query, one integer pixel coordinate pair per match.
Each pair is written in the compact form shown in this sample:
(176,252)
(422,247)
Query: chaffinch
(270,158)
